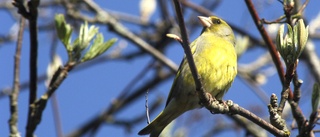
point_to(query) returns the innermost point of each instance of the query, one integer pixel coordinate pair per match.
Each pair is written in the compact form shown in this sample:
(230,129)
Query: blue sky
(87,93)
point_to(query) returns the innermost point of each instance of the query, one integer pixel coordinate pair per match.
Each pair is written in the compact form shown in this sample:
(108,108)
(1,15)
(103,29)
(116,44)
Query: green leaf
(315,97)
(64,30)
(93,30)
(85,36)
(76,48)
(82,42)
(302,36)
(279,39)
(288,46)
(98,47)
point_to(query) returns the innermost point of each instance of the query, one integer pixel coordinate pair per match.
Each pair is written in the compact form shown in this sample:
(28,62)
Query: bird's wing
(176,79)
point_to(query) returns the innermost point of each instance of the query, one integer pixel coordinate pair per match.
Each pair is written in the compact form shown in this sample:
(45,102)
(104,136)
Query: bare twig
(185,41)
(56,116)
(39,105)
(273,52)
(13,122)
(133,121)
(232,108)
(21,8)
(147,108)
(54,100)
(291,75)
(304,5)
(297,91)
(33,15)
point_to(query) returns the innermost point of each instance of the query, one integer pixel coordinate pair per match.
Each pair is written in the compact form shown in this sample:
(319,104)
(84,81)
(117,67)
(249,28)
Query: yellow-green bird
(216,60)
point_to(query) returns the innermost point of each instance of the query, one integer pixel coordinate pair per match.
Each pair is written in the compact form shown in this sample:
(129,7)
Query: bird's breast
(217,66)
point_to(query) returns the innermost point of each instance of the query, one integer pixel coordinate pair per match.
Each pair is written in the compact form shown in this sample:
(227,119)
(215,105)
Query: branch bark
(13,121)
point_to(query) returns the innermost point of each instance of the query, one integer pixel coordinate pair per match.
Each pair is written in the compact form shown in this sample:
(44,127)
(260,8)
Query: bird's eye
(217,21)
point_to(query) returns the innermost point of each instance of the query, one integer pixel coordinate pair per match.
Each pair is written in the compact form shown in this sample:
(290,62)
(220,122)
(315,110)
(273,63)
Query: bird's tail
(162,120)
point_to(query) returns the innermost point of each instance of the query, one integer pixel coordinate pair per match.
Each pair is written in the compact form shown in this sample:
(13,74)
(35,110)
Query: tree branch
(273,53)
(33,15)
(38,106)
(13,121)
(185,44)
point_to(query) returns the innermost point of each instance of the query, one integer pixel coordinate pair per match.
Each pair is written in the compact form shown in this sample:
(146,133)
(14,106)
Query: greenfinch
(216,60)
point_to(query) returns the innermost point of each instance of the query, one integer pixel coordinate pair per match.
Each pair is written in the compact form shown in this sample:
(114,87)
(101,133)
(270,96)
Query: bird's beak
(205,21)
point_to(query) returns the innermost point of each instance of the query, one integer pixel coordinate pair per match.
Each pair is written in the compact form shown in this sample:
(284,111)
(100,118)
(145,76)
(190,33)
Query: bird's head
(217,26)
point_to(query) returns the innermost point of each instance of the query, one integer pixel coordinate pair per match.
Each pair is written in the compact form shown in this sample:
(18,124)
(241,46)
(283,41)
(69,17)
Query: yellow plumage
(216,60)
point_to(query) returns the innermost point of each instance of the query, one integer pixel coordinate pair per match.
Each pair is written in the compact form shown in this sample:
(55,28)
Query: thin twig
(13,122)
(21,8)
(267,39)
(297,91)
(302,123)
(189,57)
(236,109)
(39,105)
(147,108)
(56,116)
(54,100)
(128,123)
(33,7)
(272,50)
(231,108)
(304,5)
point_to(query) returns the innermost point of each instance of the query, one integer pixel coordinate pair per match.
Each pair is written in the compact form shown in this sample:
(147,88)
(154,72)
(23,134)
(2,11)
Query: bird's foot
(207,100)
(219,107)
(210,99)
